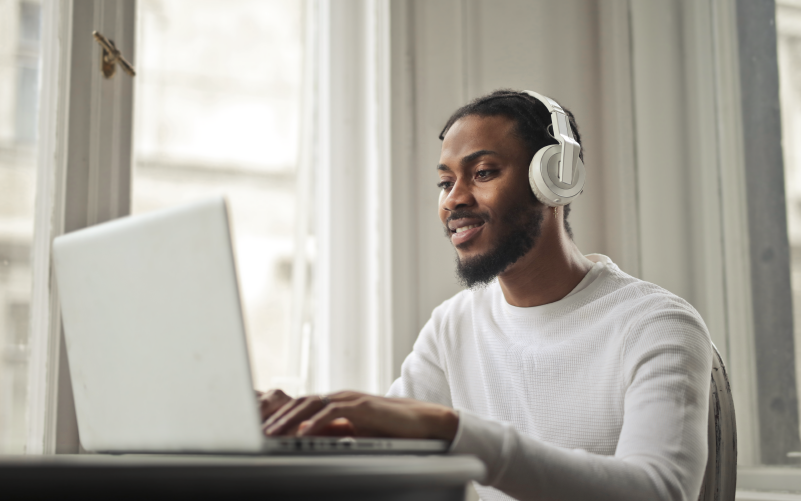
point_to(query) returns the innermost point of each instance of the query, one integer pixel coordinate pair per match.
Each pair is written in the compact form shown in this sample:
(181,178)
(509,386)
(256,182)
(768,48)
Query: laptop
(156,344)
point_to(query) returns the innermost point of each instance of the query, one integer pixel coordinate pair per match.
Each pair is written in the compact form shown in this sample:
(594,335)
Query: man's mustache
(463,214)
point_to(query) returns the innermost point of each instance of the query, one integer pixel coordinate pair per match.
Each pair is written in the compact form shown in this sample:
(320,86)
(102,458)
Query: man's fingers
(283,411)
(292,417)
(283,415)
(271,401)
(339,427)
(325,417)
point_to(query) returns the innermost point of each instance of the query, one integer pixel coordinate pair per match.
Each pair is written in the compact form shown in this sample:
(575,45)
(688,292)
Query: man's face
(486,204)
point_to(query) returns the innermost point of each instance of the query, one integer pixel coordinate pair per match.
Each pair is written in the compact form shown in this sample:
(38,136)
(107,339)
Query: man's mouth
(464,230)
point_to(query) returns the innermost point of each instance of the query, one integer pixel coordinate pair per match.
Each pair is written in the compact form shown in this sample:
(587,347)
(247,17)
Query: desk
(90,477)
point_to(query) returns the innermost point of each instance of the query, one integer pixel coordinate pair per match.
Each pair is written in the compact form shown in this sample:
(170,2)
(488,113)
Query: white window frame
(83,178)
(772,313)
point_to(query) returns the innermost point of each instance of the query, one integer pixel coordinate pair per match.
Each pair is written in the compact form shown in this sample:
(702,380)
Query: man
(568,378)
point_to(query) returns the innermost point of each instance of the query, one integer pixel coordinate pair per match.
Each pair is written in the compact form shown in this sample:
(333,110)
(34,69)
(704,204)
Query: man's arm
(662,448)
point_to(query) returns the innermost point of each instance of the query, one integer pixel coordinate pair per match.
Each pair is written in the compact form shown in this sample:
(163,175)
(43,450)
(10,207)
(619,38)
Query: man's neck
(548,272)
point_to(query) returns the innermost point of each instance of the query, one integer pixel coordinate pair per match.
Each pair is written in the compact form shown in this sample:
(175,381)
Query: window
(19,91)
(27,71)
(220,114)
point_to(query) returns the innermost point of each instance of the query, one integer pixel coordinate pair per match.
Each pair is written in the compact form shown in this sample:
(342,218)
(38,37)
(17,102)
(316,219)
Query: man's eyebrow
(469,158)
(476,155)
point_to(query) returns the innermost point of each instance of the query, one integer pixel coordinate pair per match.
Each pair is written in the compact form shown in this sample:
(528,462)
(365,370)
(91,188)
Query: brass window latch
(111,56)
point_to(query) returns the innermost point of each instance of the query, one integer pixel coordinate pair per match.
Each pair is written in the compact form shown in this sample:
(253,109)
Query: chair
(720,478)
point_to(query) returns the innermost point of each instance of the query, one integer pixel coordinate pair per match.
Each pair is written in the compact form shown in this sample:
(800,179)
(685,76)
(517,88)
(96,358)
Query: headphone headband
(563,134)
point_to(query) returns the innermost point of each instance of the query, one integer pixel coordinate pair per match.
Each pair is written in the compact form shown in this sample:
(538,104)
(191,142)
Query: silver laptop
(156,341)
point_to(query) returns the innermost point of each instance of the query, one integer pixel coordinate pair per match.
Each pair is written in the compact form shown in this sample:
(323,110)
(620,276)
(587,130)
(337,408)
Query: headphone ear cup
(549,191)
(535,179)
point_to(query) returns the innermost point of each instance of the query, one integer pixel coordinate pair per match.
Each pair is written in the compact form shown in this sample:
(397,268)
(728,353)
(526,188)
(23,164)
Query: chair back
(720,478)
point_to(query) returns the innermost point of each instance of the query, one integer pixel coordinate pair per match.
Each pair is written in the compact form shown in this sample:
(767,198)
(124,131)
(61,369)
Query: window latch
(111,56)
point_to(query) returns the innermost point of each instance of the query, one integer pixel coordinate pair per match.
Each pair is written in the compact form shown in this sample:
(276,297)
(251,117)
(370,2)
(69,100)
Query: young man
(567,377)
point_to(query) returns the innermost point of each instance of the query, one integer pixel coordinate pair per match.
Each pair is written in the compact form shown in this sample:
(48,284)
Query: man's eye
(484,173)
(444,185)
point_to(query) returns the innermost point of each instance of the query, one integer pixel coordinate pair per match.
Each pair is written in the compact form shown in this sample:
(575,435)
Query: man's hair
(532,122)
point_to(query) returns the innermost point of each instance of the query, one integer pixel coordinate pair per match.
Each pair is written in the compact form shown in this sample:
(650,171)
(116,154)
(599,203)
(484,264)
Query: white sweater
(603,394)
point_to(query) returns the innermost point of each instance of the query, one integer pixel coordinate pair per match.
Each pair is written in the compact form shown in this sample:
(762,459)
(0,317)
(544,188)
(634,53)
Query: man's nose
(459,197)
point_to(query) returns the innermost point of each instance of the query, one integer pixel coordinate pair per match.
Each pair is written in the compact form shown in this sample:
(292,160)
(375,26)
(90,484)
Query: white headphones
(556,173)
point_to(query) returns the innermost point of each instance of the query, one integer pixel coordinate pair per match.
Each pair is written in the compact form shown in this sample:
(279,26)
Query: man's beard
(523,229)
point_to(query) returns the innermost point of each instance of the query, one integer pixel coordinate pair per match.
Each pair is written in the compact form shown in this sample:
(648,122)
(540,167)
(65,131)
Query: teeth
(465,228)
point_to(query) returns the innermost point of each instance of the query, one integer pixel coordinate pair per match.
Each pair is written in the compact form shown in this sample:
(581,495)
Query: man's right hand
(350,413)
(273,401)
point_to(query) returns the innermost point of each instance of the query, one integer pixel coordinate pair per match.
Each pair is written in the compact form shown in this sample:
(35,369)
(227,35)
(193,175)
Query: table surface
(212,477)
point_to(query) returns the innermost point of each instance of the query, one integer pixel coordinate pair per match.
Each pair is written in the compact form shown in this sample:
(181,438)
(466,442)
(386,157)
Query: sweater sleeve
(661,452)
(422,375)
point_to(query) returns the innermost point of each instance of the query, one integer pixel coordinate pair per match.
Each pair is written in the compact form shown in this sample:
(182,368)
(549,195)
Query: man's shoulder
(651,310)
(643,295)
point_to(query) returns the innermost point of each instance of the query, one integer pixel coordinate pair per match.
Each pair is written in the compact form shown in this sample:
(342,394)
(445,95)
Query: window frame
(769,246)
(83,178)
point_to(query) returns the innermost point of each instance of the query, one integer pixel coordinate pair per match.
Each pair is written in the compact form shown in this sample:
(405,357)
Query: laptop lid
(154,333)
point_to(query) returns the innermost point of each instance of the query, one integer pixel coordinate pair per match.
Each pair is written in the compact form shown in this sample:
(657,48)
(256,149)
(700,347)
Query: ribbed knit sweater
(600,395)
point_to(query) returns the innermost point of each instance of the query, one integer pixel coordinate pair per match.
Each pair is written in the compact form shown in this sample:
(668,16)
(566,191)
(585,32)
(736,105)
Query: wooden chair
(720,478)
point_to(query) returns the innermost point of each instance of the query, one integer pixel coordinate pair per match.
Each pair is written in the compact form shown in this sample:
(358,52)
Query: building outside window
(19,92)
(219,114)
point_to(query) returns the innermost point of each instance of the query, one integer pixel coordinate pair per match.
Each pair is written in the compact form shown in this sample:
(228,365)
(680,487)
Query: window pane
(217,110)
(19,80)
(29,26)
(27,99)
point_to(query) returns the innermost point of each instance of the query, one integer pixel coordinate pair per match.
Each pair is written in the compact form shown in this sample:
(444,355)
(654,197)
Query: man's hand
(270,401)
(357,414)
